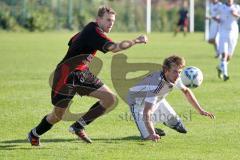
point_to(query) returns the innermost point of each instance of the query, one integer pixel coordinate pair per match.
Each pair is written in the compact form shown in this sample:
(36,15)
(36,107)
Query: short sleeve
(179,84)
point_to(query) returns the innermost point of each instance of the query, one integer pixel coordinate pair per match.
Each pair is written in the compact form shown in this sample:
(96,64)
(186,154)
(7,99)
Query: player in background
(214,26)
(148,104)
(72,76)
(228,15)
(183,20)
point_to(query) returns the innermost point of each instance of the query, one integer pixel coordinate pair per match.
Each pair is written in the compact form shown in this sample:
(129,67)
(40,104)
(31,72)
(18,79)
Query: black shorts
(65,86)
(183,22)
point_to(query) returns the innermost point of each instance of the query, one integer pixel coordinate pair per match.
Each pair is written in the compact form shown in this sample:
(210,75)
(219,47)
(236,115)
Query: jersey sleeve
(179,84)
(99,41)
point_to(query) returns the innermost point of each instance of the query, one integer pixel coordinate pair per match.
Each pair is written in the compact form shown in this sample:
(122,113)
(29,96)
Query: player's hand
(141,39)
(235,13)
(154,137)
(217,20)
(205,113)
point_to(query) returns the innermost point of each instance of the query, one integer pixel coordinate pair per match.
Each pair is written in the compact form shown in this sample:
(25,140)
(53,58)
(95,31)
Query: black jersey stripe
(160,84)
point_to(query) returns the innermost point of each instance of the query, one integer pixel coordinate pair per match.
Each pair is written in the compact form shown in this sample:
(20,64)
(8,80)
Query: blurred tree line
(43,15)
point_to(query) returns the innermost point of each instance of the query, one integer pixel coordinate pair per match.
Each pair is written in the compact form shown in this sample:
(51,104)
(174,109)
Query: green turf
(27,59)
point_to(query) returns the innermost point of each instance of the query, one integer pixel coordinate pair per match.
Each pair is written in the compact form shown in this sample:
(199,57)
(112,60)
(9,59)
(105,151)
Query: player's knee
(56,115)
(110,100)
(53,118)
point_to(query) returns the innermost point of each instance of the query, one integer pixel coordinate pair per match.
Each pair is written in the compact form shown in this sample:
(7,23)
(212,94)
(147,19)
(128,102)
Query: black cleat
(80,133)
(35,141)
(160,132)
(219,72)
(217,56)
(225,78)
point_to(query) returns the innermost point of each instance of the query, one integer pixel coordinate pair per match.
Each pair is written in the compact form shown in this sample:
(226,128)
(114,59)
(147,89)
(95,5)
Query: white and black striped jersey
(152,89)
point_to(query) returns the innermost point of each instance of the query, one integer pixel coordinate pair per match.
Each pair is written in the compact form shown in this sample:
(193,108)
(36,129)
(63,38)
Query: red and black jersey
(84,45)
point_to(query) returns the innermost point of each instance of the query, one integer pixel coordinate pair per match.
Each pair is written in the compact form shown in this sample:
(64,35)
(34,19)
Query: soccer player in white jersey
(214,26)
(229,14)
(148,104)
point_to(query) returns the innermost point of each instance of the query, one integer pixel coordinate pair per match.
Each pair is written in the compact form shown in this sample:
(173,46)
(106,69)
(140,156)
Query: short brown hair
(173,60)
(104,9)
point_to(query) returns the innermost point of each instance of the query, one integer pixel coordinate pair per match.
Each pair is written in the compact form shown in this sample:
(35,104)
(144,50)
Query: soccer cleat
(179,127)
(220,75)
(35,141)
(80,133)
(225,78)
(160,132)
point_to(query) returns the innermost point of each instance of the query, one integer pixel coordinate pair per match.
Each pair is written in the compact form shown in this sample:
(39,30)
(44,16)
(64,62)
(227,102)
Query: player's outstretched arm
(208,17)
(125,44)
(193,101)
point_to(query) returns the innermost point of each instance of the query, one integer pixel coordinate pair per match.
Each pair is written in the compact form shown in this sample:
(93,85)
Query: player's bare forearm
(192,99)
(147,117)
(147,112)
(125,44)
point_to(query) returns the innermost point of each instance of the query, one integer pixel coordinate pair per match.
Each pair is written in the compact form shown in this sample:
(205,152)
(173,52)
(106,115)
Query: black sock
(93,113)
(42,127)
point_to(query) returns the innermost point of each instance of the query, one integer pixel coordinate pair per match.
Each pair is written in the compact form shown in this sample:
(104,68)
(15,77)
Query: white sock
(224,68)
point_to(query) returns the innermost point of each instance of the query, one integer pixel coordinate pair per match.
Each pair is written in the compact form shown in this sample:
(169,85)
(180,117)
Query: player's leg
(185,30)
(169,117)
(224,60)
(213,38)
(61,97)
(231,48)
(217,54)
(47,122)
(223,49)
(178,27)
(92,87)
(107,100)
(185,26)
(138,117)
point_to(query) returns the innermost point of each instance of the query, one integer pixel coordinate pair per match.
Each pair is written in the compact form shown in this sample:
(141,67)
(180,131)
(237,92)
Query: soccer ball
(192,77)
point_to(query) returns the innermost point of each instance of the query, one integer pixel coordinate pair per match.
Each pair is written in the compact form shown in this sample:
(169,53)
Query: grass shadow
(17,143)
(119,139)
(42,140)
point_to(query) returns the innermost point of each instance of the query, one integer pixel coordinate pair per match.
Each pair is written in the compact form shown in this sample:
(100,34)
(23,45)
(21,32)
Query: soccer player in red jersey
(72,76)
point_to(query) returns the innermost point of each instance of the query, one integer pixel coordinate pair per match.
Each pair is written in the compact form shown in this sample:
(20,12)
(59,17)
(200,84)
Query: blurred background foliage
(45,15)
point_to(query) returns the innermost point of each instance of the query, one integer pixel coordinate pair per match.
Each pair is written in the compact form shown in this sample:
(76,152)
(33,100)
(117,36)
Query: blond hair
(104,9)
(173,60)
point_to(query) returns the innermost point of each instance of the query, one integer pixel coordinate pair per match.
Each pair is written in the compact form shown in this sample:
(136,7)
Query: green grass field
(27,60)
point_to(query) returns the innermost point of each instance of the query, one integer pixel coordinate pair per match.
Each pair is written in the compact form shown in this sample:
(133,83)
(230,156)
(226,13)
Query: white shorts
(162,113)
(227,43)
(213,31)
